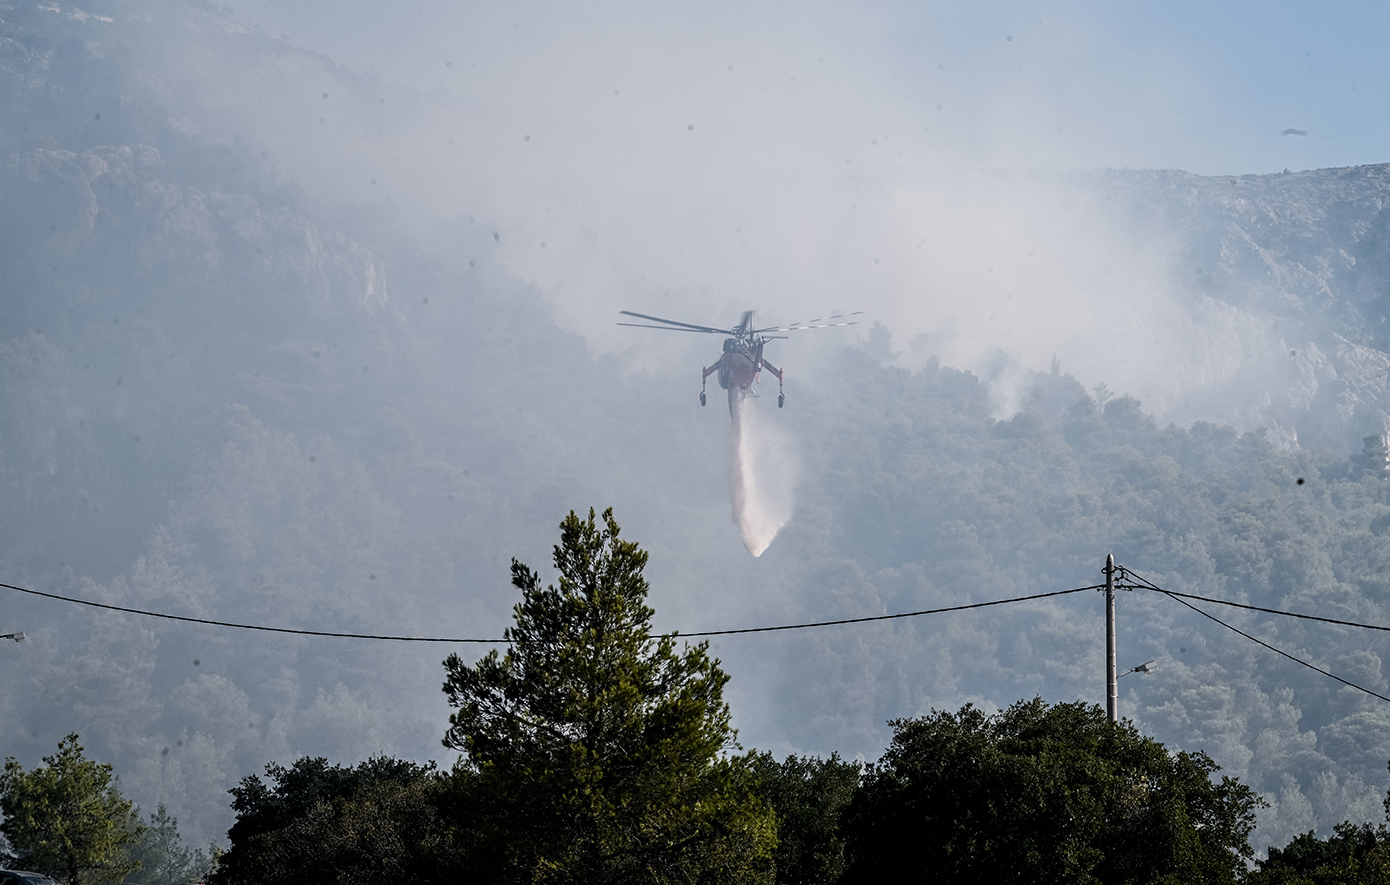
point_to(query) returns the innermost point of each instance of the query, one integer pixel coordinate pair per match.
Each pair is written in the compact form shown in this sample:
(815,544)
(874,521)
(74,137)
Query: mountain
(223,396)
(1287,276)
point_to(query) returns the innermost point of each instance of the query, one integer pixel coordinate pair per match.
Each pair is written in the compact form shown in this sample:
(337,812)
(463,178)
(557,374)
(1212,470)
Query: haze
(319,332)
(793,160)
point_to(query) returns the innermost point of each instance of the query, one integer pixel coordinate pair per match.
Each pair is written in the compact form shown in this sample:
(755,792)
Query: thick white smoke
(762,474)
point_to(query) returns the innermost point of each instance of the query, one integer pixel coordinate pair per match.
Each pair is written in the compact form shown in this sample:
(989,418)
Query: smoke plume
(761,475)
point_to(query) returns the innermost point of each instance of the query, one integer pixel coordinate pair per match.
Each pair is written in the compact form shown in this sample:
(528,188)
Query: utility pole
(1112,679)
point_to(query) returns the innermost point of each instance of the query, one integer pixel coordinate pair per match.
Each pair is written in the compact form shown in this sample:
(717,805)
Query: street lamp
(17,637)
(1146,667)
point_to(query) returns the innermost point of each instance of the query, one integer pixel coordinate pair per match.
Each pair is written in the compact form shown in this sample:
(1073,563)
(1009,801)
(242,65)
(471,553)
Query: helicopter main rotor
(743,331)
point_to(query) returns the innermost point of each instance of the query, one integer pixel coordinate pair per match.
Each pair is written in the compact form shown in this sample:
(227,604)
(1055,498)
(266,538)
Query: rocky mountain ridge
(1293,268)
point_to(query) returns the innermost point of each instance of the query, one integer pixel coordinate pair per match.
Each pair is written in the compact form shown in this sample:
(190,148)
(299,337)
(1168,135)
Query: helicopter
(742,361)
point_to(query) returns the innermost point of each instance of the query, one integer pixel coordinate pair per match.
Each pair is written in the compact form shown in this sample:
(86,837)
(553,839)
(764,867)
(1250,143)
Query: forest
(226,396)
(595,751)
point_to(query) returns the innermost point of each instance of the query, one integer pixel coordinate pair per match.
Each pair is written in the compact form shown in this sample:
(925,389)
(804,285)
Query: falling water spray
(761,475)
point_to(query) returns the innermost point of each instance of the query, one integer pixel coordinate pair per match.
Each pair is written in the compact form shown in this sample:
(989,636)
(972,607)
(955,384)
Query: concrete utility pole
(1112,679)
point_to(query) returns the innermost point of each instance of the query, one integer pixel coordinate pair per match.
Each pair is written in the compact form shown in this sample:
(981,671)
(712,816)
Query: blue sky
(1205,87)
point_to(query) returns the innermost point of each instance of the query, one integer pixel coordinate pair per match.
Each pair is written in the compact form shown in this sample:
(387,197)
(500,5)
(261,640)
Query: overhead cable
(1143,584)
(1148,585)
(1256,608)
(169,617)
(930,611)
(1273,649)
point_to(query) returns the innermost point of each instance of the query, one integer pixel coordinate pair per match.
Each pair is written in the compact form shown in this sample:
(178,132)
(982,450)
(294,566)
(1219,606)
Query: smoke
(816,159)
(762,475)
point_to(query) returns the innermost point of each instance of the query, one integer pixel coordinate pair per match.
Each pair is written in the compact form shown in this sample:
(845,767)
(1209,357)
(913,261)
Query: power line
(1148,585)
(168,617)
(1145,585)
(1272,648)
(929,611)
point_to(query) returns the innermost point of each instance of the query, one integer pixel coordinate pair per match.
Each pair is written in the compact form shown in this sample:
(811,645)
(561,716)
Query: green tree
(162,857)
(68,819)
(1041,793)
(810,796)
(598,752)
(385,831)
(1352,855)
(318,823)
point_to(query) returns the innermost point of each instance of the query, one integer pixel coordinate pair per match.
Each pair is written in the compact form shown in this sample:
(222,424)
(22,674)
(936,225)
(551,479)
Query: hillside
(1293,266)
(222,398)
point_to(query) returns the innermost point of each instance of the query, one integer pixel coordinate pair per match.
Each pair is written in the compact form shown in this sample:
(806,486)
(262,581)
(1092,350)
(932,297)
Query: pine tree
(67,818)
(597,752)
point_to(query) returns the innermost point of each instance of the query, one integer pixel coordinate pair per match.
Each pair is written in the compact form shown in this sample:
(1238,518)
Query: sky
(798,159)
(1207,88)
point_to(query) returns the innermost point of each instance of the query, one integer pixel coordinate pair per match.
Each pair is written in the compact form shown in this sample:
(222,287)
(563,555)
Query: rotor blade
(692,327)
(819,326)
(744,324)
(820,323)
(665,328)
(810,323)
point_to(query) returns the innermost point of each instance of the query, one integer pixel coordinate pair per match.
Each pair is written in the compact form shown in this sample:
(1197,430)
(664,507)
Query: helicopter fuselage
(740,365)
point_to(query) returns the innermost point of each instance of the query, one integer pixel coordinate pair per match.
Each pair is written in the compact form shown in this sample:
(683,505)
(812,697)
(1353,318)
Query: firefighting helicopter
(742,361)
